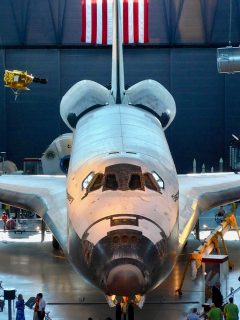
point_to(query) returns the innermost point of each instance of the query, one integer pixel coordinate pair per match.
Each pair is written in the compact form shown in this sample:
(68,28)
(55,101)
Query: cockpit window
(158,179)
(149,182)
(96,182)
(111,182)
(123,176)
(135,182)
(87,180)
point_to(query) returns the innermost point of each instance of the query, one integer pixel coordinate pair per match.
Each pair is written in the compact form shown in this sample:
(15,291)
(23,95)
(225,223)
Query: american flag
(97,21)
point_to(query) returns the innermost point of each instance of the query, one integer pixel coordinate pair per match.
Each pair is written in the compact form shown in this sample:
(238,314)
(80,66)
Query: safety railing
(23,225)
(232,293)
(1,297)
(47,316)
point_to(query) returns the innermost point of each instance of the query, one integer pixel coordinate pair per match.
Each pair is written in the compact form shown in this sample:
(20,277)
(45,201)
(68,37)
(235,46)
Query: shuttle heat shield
(153,97)
(83,97)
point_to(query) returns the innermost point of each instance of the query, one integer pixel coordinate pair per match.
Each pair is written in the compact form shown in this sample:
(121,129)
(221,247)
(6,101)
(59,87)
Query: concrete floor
(31,267)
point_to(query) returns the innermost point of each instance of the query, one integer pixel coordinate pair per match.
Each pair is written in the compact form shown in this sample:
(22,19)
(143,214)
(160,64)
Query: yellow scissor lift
(212,243)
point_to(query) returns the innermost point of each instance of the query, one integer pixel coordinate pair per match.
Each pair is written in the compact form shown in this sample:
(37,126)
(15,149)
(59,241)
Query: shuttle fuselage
(122,200)
(122,185)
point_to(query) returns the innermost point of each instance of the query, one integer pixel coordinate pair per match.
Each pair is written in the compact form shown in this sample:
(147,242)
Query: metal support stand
(230,264)
(9,310)
(118,312)
(130,311)
(43,229)
(212,243)
(179,290)
(9,295)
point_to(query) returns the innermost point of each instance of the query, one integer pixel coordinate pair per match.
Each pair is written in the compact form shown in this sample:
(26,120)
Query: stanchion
(9,295)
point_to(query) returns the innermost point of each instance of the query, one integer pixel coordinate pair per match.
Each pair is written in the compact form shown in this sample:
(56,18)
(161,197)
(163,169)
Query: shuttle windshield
(123,177)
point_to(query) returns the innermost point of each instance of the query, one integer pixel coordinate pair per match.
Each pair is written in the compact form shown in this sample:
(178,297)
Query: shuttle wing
(201,192)
(45,195)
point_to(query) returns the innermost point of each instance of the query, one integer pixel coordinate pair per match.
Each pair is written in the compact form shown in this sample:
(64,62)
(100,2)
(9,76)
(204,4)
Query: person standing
(124,306)
(20,308)
(214,313)
(217,297)
(130,311)
(221,212)
(7,209)
(4,220)
(231,310)
(193,315)
(35,308)
(41,307)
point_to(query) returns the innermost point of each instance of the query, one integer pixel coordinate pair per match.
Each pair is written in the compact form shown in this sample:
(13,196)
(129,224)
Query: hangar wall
(207,102)
(47,22)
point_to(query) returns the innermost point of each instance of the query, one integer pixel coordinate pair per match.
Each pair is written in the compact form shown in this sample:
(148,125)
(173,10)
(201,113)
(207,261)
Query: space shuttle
(122,214)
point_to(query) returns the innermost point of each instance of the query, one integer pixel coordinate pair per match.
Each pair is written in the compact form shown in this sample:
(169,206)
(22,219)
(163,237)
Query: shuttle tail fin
(117,81)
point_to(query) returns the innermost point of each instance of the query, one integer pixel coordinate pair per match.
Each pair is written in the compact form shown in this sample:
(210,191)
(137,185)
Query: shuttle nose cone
(125,280)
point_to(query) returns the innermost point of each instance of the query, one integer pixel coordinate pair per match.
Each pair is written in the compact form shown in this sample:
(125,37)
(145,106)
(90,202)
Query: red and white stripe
(97,21)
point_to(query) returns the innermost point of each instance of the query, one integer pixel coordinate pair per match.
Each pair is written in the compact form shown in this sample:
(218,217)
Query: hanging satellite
(19,80)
